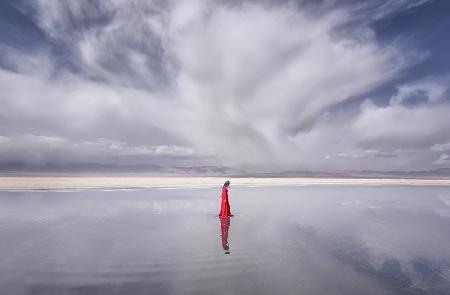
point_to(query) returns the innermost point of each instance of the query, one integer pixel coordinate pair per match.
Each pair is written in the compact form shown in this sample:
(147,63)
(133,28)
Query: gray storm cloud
(251,84)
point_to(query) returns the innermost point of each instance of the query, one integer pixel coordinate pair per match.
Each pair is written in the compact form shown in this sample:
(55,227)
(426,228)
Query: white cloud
(259,75)
(431,90)
(393,136)
(35,149)
(382,9)
(443,159)
(440,147)
(253,82)
(401,126)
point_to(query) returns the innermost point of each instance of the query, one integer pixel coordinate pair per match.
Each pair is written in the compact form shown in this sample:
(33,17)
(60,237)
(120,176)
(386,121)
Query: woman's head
(227,183)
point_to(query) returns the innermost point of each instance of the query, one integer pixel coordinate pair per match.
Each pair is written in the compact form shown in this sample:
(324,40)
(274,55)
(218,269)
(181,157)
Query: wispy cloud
(441,147)
(248,84)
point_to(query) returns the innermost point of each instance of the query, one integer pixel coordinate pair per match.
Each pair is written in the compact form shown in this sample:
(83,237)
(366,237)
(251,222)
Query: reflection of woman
(225,205)
(224,226)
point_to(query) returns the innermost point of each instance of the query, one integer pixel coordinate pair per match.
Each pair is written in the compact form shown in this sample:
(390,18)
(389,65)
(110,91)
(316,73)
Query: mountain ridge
(208,170)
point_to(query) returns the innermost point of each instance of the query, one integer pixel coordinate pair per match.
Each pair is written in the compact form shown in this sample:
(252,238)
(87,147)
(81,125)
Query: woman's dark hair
(227,183)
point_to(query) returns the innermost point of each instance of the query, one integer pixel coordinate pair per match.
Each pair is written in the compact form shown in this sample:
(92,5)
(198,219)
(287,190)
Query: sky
(256,85)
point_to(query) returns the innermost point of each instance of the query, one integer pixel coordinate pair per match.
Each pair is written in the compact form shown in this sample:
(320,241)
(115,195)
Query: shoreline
(86,182)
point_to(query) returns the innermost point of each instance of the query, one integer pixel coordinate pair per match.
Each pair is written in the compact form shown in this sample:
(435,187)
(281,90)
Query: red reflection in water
(224,227)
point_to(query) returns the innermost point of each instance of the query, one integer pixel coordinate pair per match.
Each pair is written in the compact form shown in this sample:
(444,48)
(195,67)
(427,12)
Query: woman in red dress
(225,205)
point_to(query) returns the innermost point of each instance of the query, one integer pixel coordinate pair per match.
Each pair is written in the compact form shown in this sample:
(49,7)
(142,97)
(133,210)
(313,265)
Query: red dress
(225,205)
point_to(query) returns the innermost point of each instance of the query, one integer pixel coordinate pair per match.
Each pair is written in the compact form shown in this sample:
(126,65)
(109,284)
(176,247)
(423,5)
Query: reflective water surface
(282,240)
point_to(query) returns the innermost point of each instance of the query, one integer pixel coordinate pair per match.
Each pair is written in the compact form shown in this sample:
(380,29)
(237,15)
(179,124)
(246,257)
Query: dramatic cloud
(258,85)
(402,132)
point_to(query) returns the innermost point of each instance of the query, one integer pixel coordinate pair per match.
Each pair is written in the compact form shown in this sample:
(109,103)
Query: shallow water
(282,240)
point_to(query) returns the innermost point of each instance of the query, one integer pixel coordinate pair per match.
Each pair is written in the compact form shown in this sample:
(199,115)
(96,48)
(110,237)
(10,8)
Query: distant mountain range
(150,169)
(435,173)
(94,168)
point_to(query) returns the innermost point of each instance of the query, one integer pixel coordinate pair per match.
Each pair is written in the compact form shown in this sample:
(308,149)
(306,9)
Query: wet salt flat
(322,239)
